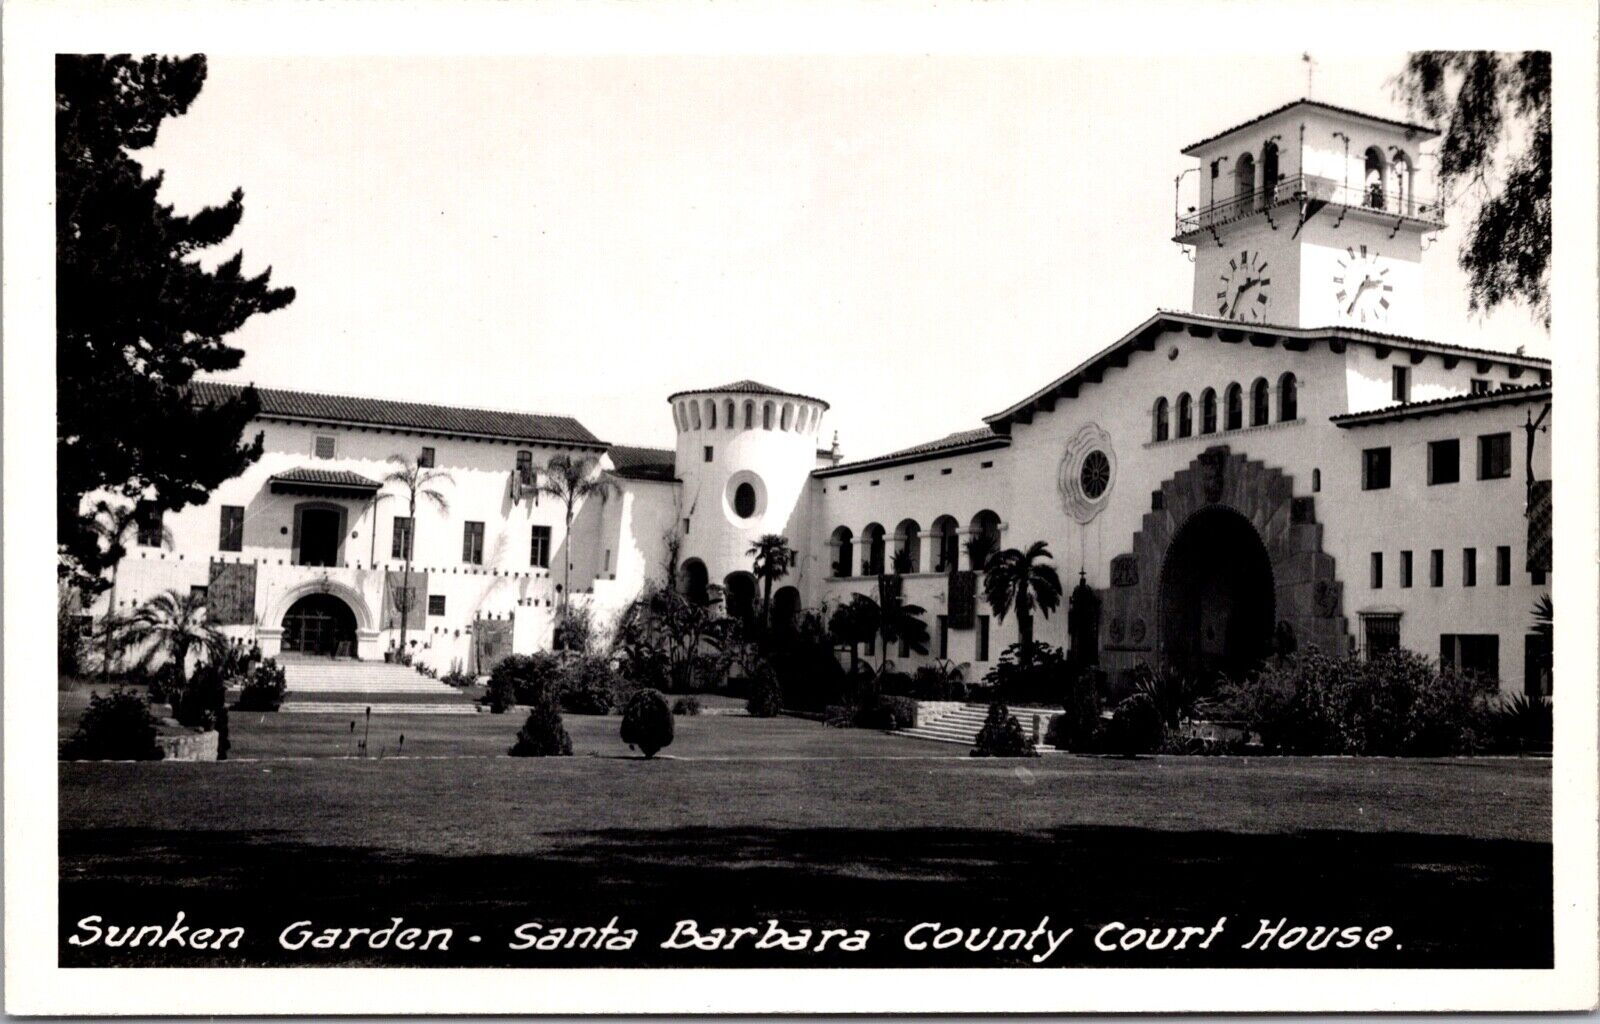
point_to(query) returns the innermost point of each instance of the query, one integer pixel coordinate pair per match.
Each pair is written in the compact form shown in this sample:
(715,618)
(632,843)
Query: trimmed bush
(895,684)
(543,735)
(890,713)
(1135,727)
(529,676)
(264,688)
(203,704)
(587,685)
(686,706)
(501,695)
(116,727)
(647,722)
(766,696)
(1078,727)
(1002,736)
(1042,681)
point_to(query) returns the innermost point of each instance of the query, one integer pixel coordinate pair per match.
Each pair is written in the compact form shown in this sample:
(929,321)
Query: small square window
(874,483)
(1469,567)
(1374,469)
(1444,462)
(151,532)
(1494,456)
(911,476)
(945,472)
(199,593)
(844,487)
(1537,577)
(435,604)
(425,458)
(710,452)
(985,465)
(1481,386)
(324,447)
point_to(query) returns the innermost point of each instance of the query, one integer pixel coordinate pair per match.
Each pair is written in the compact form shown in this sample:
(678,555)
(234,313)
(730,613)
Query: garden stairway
(950,722)
(328,686)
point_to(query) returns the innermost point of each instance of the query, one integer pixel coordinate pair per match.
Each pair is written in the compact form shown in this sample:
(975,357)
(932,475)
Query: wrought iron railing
(1400,203)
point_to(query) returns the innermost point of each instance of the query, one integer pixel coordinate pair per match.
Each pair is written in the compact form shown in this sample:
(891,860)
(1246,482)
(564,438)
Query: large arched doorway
(739,596)
(1216,596)
(320,624)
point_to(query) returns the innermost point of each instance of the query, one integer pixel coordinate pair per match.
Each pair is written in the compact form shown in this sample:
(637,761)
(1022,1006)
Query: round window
(744,501)
(1095,474)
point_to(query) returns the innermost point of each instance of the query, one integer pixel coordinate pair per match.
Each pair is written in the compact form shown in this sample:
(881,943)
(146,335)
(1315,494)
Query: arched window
(1373,182)
(985,539)
(844,552)
(1244,182)
(872,557)
(677,415)
(800,419)
(729,420)
(1269,170)
(788,416)
(946,544)
(1400,172)
(1208,411)
(1288,398)
(711,413)
(1160,433)
(695,581)
(749,415)
(1185,415)
(766,416)
(1233,407)
(1316,480)
(694,410)
(908,546)
(1259,402)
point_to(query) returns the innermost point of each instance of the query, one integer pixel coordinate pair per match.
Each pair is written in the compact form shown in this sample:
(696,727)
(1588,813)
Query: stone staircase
(951,722)
(328,686)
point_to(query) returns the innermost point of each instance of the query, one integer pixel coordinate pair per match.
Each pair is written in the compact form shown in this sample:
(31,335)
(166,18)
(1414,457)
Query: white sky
(920,241)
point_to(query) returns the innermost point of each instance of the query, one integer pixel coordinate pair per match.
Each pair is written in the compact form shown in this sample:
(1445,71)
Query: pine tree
(137,315)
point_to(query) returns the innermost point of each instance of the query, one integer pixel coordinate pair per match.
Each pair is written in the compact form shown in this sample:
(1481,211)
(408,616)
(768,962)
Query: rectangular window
(1444,462)
(425,458)
(472,543)
(231,534)
(1405,570)
(151,531)
(1377,570)
(1480,386)
(1536,576)
(539,557)
(686,522)
(1374,469)
(945,472)
(1469,567)
(1494,456)
(199,593)
(944,636)
(402,538)
(606,567)
(1402,384)
(1502,566)
(1436,567)
(982,653)
(1382,634)
(709,452)
(525,468)
(1472,654)
(435,604)
(324,447)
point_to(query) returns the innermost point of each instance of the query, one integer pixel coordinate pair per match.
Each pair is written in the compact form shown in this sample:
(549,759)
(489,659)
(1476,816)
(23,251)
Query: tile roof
(644,463)
(1506,394)
(1117,354)
(1419,128)
(382,412)
(950,444)
(341,478)
(745,387)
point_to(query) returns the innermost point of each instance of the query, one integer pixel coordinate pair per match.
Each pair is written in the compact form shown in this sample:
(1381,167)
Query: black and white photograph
(541,489)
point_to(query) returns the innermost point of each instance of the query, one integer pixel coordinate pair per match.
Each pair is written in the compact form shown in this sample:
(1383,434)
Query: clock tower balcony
(1313,193)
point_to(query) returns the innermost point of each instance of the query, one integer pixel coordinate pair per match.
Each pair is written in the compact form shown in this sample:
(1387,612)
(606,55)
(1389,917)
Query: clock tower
(1311,216)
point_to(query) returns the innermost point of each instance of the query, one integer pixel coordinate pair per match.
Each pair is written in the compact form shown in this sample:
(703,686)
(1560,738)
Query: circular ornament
(1087,473)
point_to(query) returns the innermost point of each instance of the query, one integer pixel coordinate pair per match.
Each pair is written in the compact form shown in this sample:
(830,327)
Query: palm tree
(854,623)
(415,482)
(112,524)
(773,556)
(175,624)
(571,480)
(903,623)
(1016,581)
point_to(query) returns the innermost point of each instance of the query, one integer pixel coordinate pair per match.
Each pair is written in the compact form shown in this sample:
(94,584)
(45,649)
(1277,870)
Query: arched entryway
(695,582)
(739,596)
(320,624)
(1216,596)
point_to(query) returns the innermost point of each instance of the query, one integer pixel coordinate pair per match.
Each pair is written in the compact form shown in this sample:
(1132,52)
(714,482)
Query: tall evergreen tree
(137,315)
(1494,110)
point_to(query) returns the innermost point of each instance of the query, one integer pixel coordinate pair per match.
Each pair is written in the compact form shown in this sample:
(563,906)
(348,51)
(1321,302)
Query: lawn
(816,827)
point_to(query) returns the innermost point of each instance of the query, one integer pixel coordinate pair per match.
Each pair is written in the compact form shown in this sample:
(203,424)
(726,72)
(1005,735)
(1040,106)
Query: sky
(918,241)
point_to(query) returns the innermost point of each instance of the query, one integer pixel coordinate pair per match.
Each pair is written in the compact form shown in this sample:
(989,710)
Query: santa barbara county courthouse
(1290,461)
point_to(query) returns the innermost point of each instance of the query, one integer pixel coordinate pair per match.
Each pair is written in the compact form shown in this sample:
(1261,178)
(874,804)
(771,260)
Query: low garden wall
(192,746)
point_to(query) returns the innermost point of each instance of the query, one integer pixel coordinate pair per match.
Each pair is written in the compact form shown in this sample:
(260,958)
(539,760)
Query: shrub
(766,697)
(1002,736)
(587,685)
(116,727)
(575,629)
(203,704)
(1135,727)
(889,713)
(839,716)
(686,706)
(1520,724)
(1042,681)
(456,677)
(264,687)
(543,735)
(529,676)
(1078,727)
(895,684)
(501,695)
(647,722)
(938,682)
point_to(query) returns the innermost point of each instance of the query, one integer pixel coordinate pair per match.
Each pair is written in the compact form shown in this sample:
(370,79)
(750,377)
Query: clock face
(1242,289)
(1362,290)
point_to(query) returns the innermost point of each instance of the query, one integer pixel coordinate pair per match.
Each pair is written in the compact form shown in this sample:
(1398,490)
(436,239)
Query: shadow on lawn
(1452,901)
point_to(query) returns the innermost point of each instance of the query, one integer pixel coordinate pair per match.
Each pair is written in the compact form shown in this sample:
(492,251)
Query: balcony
(1397,204)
